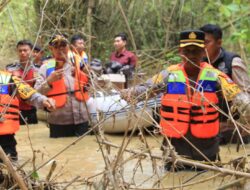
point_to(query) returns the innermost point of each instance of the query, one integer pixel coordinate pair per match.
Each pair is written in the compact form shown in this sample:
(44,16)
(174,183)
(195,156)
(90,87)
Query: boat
(118,114)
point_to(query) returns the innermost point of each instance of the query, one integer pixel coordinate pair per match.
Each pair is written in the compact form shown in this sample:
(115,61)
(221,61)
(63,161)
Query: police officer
(231,64)
(65,83)
(189,112)
(25,69)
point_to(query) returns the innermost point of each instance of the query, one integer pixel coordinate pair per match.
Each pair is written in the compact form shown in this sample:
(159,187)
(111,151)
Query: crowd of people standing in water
(208,79)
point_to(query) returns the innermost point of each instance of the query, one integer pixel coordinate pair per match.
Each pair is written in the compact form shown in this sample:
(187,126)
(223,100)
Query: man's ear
(219,42)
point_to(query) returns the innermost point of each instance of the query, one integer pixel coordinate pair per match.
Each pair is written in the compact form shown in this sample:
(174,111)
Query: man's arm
(133,60)
(232,92)
(240,75)
(28,94)
(152,86)
(41,84)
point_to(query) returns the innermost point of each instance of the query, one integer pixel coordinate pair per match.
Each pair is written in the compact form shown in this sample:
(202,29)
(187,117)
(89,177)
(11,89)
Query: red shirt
(125,58)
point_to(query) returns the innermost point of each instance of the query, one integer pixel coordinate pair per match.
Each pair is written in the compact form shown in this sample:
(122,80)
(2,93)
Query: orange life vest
(181,110)
(59,91)
(9,107)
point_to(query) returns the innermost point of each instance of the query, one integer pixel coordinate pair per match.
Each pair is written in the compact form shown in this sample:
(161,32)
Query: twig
(10,168)
(188,162)
(233,183)
(72,181)
(127,24)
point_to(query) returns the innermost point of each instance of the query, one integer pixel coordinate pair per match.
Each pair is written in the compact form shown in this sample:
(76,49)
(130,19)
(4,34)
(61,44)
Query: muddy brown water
(85,159)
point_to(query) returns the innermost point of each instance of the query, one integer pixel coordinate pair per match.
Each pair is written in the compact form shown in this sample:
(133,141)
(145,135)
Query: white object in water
(118,114)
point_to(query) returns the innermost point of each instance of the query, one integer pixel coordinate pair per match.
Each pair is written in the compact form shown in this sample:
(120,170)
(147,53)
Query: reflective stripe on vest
(9,107)
(59,91)
(179,110)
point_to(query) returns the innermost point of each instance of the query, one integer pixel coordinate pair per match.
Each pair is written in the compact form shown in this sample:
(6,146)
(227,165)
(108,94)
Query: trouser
(228,134)
(8,144)
(68,130)
(29,116)
(208,147)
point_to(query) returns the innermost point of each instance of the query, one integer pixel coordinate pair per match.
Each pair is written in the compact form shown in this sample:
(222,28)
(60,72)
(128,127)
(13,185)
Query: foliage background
(154,25)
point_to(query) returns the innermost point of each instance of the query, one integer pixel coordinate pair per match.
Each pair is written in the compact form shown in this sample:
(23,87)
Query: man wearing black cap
(37,54)
(189,112)
(65,83)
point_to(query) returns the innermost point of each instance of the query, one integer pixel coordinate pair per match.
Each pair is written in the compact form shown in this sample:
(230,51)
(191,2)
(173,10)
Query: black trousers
(29,115)
(209,147)
(8,144)
(232,137)
(68,130)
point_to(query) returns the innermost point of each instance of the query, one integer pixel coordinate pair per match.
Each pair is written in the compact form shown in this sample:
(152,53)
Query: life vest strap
(201,113)
(180,110)
(12,113)
(208,121)
(10,105)
(63,93)
(172,119)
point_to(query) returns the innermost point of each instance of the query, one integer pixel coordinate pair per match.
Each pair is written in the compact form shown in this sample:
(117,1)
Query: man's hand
(242,104)
(54,76)
(49,104)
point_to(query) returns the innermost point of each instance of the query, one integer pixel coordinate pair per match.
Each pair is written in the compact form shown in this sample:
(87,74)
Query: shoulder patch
(173,67)
(12,66)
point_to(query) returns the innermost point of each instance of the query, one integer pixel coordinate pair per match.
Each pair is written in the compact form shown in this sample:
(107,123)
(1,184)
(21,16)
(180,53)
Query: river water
(84,159)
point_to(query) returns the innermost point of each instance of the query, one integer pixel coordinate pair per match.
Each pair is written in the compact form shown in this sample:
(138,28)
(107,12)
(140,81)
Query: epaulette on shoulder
(12,66)
(173,67)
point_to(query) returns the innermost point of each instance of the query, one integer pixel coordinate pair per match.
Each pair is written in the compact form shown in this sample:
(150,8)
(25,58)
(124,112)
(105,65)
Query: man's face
(192,53)
(60,52)
(37,55)
(119,43)
(24,51)
(79,45)
(212,45)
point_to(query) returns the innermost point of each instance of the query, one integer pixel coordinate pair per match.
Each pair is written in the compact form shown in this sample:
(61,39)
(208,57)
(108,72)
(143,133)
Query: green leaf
(233,7)
(35,175)
(225,11)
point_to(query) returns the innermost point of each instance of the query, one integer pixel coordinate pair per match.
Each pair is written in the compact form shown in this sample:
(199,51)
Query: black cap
(192,37)
(37,48)
(58,39)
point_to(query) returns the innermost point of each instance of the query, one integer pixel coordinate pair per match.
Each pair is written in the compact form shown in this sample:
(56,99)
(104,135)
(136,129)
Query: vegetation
(153,26)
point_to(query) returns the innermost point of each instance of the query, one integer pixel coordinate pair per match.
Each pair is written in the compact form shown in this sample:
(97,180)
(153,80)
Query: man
(37,54)
(77,51)
(66,84)
(189,115)
(26,70)
(9,118)
(231,64)
(121,54)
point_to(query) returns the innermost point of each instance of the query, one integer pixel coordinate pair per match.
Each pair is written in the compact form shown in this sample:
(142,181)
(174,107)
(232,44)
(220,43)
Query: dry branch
(187,162)
(12,171)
